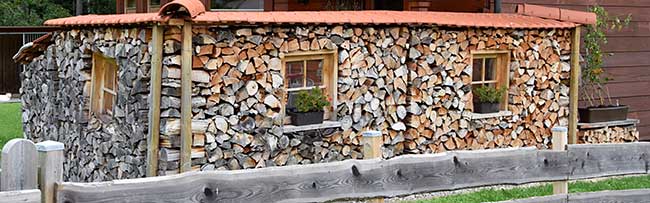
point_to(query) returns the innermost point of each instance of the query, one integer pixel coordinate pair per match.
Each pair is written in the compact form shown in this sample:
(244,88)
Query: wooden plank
(628,74)
(299,183)
(50,168)
(24,196)
(560,136)
(629,196)
(186,99)
(644,132)
(574,85)
(635,195)
(608,123)
(153,136)
(561,198)
(402,175)
(507,166)
(19,165)
(600,160)
(371,143)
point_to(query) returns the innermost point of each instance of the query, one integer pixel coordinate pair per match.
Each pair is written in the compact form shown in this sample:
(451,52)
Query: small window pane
(295,74)
(130,3)
(490,69)
(476,69)
(109,77)
(108,103)
(154,2)
(237,4)
(314,73)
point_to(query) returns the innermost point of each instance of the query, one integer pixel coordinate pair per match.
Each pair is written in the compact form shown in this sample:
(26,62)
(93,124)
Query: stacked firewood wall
(56,101)
(412,83)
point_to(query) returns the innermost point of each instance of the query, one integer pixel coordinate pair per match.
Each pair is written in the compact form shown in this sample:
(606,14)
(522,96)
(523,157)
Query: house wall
(628,64)
(56,97)
(411,83)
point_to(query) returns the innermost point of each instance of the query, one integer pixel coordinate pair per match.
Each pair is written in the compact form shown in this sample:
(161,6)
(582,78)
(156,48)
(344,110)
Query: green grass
(492,195)
(10,122)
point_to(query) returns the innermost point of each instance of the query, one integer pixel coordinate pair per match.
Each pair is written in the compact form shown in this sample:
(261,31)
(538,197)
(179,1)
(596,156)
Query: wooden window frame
(502,68)
(98,88)
(330,77)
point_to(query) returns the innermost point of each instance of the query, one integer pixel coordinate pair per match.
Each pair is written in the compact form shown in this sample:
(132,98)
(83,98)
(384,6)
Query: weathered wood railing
(374,177)
(628,196)
(30,170)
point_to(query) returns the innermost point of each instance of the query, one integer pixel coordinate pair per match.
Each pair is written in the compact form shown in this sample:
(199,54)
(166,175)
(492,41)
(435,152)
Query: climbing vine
(593,74)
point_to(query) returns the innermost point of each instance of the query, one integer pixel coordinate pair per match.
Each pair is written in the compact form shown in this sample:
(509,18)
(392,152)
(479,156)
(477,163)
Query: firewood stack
(413,83)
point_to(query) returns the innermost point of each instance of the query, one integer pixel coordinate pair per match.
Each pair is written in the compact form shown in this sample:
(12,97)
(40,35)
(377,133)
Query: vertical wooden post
(153,137)
(51,168)
(573,88)
(186,99)
(371,142)
(18,165)
(559,144)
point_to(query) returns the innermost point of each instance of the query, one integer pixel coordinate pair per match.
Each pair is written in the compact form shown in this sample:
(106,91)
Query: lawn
(492,195)
(10,122)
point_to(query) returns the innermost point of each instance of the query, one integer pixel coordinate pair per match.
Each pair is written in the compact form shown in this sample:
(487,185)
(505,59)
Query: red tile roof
(500,20)
(530,17)
(193,7)
(557,14)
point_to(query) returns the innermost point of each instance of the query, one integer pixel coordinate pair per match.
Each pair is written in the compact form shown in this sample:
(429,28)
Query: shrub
(310,101)
(487,94)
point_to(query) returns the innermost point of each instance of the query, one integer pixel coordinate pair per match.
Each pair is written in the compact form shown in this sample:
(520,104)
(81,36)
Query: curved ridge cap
(193,7)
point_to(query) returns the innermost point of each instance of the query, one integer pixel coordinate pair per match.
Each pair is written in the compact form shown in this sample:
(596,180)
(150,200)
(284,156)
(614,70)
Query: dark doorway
(396,5)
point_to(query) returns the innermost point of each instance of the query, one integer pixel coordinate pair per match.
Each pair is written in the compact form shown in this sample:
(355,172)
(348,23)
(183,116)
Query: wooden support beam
(371,142)
(573,88)
(50,168)
(559,144)
(153,136)
(186,99)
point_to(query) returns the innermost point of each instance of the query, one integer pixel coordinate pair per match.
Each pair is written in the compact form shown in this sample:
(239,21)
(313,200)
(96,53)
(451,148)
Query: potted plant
(487,99)
(309,106)
(599,106)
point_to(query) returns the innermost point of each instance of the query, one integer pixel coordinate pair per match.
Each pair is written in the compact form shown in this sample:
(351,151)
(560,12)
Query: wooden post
(186,99)
(18,165)
(559,144)
(573,89)
(153,137)
(371,142)
(51,168)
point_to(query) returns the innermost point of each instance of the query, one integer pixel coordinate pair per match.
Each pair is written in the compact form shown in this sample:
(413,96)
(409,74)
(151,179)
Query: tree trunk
(78,7)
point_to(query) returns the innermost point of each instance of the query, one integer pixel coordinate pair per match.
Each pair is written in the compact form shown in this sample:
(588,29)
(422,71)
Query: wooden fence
(403,175)
(30,170)
(370,178)
(637,195)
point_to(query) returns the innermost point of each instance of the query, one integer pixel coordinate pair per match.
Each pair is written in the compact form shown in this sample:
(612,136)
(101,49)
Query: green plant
(487,94)
(310,101)
(593,75)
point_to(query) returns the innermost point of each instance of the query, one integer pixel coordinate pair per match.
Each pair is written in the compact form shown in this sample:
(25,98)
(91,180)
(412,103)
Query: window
(257,5)
(305,71)
(130,4)
(490,68)
(154,2)
(104,85)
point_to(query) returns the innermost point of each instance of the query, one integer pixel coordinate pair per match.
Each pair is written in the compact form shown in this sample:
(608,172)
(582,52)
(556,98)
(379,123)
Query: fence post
(371,144)
(559,144)
(51,168)
(18,165)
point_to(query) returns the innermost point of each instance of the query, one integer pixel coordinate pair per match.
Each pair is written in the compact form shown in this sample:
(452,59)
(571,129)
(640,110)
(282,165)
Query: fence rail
(628,196)
(33,195)
(373,178)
